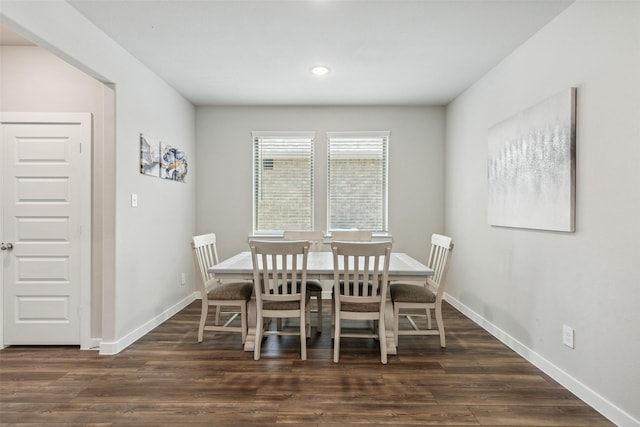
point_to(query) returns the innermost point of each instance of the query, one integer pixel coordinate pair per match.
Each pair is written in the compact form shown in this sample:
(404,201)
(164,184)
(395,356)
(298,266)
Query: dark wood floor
(167,378)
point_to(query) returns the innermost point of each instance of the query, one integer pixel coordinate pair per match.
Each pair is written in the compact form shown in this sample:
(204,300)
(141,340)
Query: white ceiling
(380,52)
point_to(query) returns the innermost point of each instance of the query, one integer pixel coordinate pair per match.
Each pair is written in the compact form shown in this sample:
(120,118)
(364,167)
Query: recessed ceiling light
(320,71)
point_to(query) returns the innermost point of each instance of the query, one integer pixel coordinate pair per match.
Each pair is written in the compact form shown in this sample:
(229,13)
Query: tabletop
(320,264)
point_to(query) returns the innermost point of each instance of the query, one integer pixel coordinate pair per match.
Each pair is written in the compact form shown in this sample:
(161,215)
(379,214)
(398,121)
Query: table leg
(250,342)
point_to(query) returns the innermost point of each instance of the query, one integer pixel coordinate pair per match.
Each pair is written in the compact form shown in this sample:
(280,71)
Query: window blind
(357,181)
(283,181)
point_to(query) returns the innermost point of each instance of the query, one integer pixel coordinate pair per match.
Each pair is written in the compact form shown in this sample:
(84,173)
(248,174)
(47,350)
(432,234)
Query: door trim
(85,120)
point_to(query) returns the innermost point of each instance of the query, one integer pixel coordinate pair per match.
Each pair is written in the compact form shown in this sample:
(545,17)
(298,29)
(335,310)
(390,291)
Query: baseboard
(584,393)
(108,348)
(94,344)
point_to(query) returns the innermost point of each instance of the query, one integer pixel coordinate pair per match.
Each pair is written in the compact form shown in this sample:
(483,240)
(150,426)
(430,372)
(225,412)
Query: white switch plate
(567,336)
(134,200)
(183,279)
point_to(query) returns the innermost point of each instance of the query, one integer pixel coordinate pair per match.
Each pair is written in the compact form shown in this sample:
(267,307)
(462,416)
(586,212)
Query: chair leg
(440,324)
(396,320)
(243,321)
(308,317)
(258,343)
(333,318)
(303,335)
(319,305)
(382,336)
(203,319)
(336,339)
(218,310)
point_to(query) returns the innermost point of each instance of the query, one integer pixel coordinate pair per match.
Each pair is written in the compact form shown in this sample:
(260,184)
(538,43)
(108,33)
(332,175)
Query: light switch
(134,200)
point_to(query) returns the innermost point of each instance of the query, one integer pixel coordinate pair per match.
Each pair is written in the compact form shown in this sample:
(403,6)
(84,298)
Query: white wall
(416,167)
(523,285)
(151,241)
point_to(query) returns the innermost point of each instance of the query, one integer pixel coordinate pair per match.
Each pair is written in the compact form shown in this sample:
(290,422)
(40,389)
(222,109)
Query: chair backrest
(315,238)
(361,269)
(352,235)
(205,255)
(439,256)
(277,267)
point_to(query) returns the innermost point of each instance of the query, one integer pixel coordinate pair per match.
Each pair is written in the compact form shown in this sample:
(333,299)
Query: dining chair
(347,236)
(352,235)
(314,287)
(220,295)
(414,300)
(276,265)
(360,276)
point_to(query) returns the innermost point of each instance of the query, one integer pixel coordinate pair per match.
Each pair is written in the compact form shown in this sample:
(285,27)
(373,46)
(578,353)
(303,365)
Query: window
(283,181)
(357,180)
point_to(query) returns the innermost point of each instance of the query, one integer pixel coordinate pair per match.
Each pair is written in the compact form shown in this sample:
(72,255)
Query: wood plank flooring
(168,379)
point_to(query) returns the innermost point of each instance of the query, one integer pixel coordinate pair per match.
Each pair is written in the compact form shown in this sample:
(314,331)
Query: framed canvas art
(162,160)
(149,156)
(173,163)
(531,166)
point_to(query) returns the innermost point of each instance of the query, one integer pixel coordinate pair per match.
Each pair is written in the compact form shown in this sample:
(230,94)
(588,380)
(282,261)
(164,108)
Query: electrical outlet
(134,200)
(567,336)
(183,279)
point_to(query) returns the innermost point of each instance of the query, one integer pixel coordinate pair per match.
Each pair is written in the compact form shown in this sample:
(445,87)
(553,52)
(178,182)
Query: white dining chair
(415,300)
(347,236)
(277,266)
(360,276)
(227,298)
(314,287)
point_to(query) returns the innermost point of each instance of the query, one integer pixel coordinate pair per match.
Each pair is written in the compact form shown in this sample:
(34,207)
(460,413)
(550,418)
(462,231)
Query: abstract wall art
(149,156)
(531,166)
(173,163)
(162,160)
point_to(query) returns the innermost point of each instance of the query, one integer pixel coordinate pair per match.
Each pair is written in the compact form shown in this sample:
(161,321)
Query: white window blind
(283,181)
(357,180)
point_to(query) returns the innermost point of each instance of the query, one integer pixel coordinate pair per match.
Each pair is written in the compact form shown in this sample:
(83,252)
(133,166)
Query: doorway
(46,227)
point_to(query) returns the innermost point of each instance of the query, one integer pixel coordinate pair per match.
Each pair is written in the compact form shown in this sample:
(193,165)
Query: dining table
(402,267)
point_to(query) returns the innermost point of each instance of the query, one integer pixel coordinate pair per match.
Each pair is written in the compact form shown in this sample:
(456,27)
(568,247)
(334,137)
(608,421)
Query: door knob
(6,246)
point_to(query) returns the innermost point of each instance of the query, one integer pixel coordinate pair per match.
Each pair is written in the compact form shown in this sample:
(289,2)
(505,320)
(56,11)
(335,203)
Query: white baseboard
(117,346)
(94,344)
(584,393)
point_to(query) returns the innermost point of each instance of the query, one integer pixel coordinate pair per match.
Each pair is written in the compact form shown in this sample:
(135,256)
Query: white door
(45,235)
